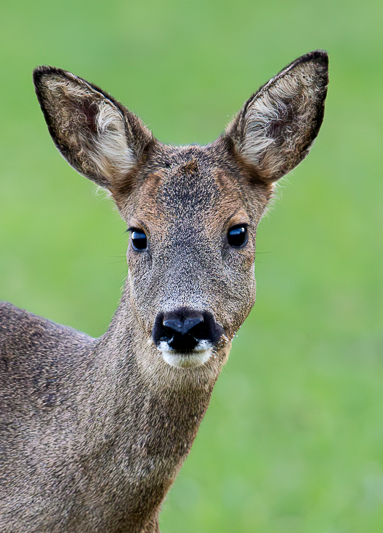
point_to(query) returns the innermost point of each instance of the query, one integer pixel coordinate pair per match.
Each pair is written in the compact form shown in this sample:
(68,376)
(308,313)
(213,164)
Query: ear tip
(46,70)
(318,59)
(39,72)
(316,56)
(42,70)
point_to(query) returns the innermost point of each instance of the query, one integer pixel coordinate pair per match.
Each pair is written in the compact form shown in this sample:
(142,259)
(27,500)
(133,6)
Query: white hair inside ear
(112,155)
(277,126)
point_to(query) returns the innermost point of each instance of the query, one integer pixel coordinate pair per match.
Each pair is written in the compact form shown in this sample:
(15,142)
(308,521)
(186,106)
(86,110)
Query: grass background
(293,439)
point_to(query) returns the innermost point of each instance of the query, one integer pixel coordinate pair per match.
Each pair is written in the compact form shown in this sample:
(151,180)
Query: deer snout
(186,337)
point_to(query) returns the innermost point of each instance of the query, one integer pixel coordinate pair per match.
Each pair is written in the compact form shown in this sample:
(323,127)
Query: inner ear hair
(99,137)
(277,126)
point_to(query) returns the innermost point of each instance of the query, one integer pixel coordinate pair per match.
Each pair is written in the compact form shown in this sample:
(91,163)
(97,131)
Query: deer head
(192,211)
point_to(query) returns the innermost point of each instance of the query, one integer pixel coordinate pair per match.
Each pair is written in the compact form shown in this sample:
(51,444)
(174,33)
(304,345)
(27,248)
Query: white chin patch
(201,353)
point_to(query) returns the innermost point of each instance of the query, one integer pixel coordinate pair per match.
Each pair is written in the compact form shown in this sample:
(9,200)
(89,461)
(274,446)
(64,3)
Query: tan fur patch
(148,207)
(230,203)
(191,166)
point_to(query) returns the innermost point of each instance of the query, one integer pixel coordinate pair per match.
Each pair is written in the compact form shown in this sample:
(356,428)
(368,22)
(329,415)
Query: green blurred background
(293,439)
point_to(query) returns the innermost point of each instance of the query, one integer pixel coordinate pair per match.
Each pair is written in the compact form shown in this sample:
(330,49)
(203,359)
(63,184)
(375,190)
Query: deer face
(192,212)
(191,252)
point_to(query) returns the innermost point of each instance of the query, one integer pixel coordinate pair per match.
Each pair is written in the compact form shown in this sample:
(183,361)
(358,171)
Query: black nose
(183,329)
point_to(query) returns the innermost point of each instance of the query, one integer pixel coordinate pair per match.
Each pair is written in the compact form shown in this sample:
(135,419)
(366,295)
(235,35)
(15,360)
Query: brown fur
(94,431)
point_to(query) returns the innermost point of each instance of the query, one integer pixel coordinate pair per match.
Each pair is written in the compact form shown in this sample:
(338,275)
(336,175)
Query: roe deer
(94,431)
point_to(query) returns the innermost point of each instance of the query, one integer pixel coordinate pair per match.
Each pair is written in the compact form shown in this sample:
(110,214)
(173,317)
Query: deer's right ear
(99,138)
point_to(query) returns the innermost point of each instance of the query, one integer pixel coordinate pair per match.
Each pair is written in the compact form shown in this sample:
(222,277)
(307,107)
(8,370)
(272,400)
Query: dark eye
(237,236)
(139,240)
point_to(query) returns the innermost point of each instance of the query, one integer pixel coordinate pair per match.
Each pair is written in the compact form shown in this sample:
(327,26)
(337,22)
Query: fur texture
(94,431)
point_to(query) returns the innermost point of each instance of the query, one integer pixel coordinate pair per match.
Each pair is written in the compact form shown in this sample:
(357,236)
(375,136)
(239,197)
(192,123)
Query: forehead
(189,186)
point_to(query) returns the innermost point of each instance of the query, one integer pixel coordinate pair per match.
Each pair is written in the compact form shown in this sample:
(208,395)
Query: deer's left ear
(277,126)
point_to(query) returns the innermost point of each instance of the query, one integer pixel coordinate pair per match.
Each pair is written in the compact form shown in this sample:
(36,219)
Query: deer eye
(139,240)
(237,236)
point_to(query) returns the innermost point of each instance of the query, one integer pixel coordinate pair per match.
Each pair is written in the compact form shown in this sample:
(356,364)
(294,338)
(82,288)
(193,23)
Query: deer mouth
(186,359)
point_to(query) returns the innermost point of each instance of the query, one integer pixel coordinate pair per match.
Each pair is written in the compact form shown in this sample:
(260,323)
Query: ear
(96,135)
(277,126)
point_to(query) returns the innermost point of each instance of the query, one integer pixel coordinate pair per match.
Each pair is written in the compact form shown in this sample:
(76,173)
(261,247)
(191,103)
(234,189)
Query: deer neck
(138,410)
